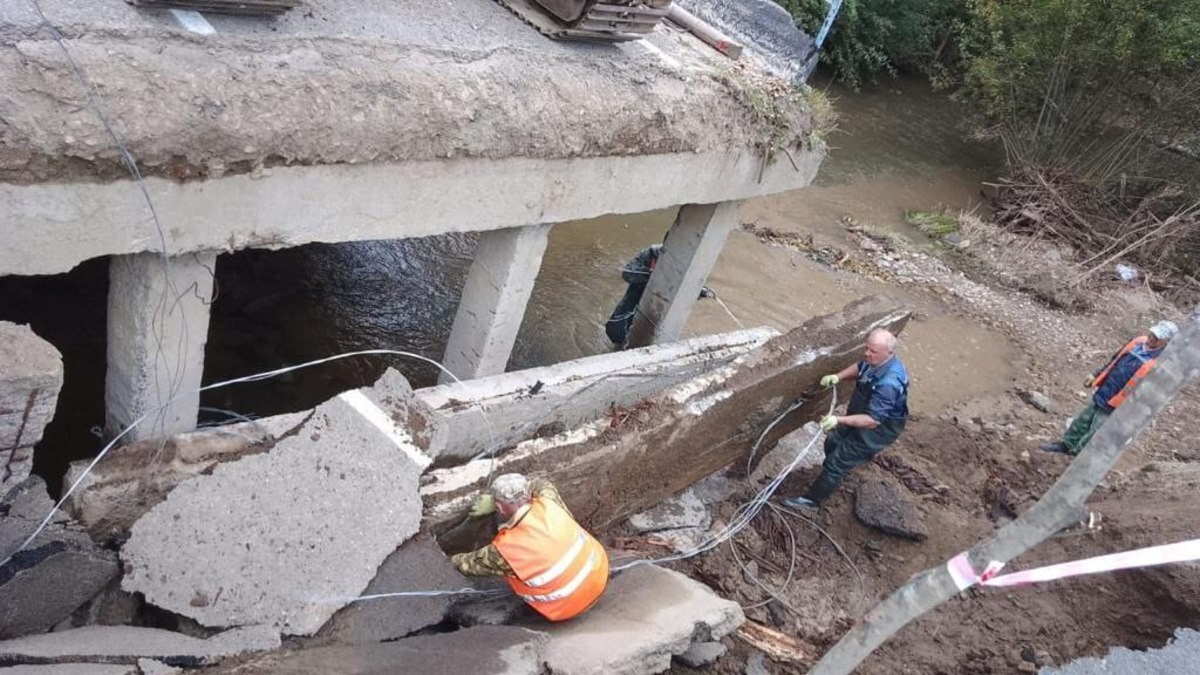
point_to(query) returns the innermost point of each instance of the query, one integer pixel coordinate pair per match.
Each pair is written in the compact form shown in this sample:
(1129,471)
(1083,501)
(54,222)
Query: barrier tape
(964,576)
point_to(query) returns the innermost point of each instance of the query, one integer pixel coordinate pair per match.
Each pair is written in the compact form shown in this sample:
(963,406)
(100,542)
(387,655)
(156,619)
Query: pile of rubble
(220,547)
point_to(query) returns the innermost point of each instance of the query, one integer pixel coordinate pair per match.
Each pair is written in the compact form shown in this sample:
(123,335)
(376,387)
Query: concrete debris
(73,669)
(396,398)
(1037,399)
(608,471)
(780,457)
(127,644)
(57,573)
(702,654)
(756,664)
(493,610)
(287,537)
(417,565)
(135,478)
(528,403)
(1180,656)
(647,615)
(888,508)
(502,650)
(112,607)
(152,667)
(31,374)
(684,510)
(767,30)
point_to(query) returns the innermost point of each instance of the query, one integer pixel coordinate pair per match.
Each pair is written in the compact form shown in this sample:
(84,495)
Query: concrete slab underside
(367,121)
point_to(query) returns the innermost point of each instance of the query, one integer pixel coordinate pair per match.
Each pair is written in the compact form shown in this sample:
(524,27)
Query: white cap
(1164,330)
(511,488)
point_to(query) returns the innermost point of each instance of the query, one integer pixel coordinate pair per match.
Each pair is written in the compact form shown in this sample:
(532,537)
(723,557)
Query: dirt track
(973,466)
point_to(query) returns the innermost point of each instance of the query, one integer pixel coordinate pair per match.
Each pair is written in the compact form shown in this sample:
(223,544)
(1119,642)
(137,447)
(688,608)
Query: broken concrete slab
(778,458)
(73,669)
(58,572)
(31,375)
(647,615)
(287,537)
(527,403)
(607,472)
(127,644)
(886,507)
(135,478)
(702,654)
(418,565)
(499,650)
(152,667)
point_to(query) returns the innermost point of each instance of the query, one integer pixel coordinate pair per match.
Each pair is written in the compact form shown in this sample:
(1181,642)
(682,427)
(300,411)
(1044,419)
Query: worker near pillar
(874,418)
(1113,382)
(547,558)
(636,273)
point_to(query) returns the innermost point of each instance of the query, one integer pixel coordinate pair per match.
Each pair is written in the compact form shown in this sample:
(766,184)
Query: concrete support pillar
(689,253)
(493,301)
(157,327)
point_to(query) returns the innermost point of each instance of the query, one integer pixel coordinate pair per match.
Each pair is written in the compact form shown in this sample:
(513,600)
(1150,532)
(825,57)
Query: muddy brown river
(899,147)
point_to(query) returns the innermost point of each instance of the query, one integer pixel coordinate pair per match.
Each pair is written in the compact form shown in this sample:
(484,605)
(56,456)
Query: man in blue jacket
(876,415)
(636,273)
(1113,382)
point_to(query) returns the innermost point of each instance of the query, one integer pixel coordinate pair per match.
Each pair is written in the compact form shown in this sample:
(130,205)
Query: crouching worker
(547,559)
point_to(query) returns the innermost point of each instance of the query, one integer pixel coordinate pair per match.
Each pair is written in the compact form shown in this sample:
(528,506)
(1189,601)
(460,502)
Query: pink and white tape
(964,575)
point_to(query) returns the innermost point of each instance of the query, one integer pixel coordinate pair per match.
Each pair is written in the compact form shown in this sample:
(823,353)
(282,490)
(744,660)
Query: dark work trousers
(849,447)
(618,324)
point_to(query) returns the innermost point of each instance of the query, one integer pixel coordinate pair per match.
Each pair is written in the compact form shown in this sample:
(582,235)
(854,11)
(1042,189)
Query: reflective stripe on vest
(570,587)
(1147,365)
(556,570)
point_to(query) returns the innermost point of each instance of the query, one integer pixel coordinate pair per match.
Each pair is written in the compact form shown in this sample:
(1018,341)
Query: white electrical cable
(217,385)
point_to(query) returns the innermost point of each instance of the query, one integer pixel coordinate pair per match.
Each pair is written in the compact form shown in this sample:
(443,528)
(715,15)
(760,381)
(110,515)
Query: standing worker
(876,415)
(1113,383)
(636,273)
(548,560)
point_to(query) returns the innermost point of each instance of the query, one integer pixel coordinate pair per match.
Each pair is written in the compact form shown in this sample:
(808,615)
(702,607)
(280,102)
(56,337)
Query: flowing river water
(901,146)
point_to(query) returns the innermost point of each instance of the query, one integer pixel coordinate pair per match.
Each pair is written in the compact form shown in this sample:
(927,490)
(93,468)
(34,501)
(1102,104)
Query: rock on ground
(31,374)
(647,615)
(418,565)
(499,650)
(702,654)
(1037,399)
(682,520)
(127,644)
(887,507)
(57,573)
(1181,656)
(780,457)
(287,537)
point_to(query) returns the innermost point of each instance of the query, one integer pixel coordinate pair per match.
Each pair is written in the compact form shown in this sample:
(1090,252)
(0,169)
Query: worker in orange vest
(547,558)
(1113,383)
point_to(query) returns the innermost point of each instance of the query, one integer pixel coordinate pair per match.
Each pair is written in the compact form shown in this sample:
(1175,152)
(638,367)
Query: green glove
(829,422)
(1087,384)
(830,381)
(483,506)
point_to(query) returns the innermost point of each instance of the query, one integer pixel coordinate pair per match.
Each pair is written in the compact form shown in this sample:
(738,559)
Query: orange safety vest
(561,570)
(1147,366)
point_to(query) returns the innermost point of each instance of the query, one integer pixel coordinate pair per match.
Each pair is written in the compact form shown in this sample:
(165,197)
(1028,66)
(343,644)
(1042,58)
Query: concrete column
(157,327)
(493,301)
(689,253)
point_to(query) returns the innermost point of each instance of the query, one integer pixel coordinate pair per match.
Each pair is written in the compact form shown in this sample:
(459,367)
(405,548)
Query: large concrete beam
(689,253)
(51,227)
(492,305)
(607,472)
(157,325)
(500,411)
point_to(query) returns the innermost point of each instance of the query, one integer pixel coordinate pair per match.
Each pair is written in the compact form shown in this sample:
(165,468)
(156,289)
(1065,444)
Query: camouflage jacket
(487,561)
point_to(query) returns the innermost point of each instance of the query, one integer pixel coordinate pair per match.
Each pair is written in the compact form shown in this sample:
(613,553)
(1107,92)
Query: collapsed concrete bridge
(210,526)
(342,124)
